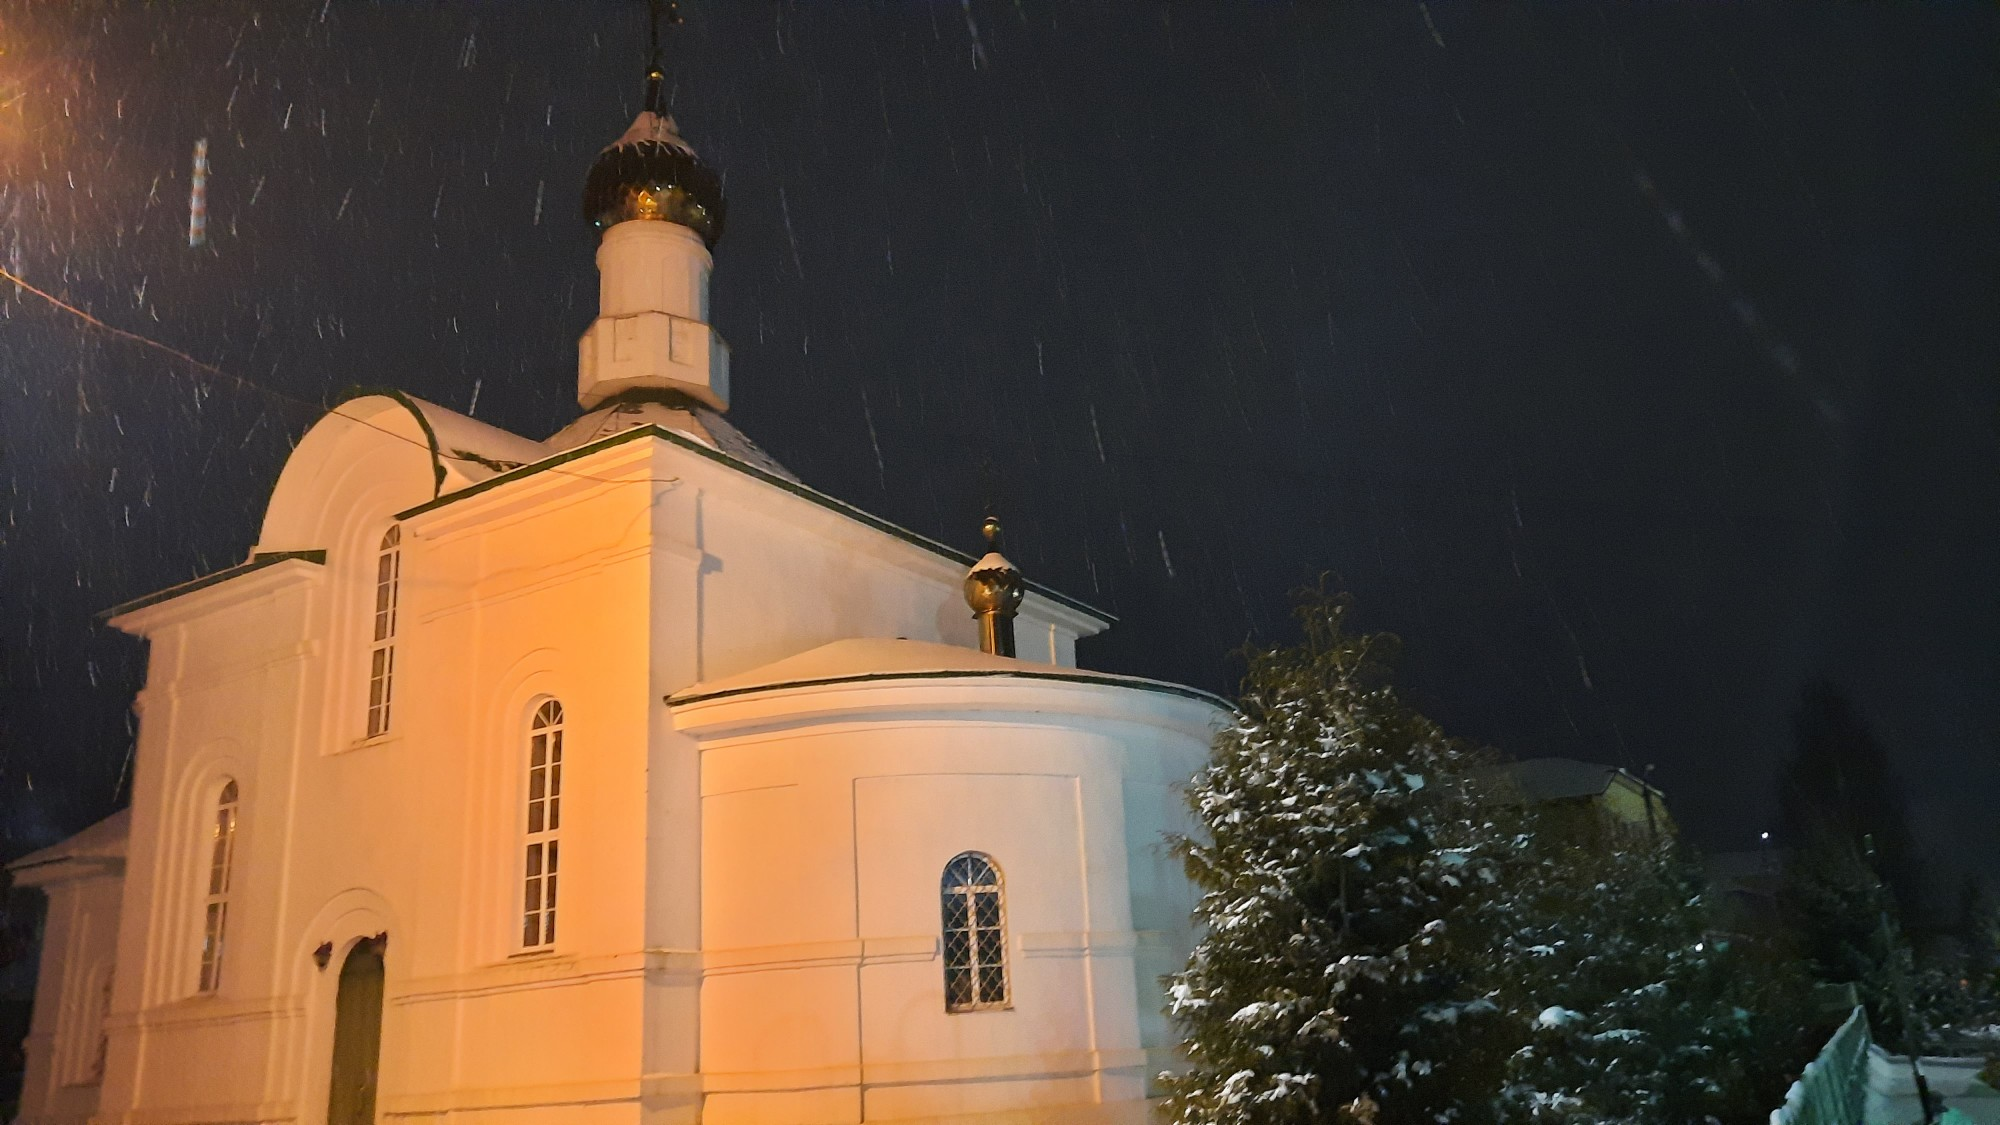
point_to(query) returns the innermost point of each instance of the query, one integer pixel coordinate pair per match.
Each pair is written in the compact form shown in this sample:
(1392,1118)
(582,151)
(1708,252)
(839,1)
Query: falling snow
(1570,340)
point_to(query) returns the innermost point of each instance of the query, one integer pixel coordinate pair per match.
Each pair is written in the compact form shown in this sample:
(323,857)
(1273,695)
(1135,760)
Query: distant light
(1763,835)
(1699,946)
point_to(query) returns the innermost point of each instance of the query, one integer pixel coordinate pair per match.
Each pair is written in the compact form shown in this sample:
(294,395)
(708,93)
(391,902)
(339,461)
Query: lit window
(538,894)
(215,905)
(382,649)
(975,935)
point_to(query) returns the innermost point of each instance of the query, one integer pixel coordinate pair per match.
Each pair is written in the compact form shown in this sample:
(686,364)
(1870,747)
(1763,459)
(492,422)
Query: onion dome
(994,591)
(651,173)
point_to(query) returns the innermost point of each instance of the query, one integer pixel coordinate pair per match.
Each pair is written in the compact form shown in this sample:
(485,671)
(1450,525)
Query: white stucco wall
(79,934)
(829,814)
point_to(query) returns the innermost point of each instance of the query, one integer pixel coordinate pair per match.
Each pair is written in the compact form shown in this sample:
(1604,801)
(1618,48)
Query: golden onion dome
(650,173)
(993,584)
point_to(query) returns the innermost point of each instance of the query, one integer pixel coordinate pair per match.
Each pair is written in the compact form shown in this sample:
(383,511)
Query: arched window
(975,935)
(215,905)
(538,871)
(382,649)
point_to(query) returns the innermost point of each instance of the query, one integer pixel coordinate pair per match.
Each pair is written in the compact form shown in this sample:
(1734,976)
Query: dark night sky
(1633,363)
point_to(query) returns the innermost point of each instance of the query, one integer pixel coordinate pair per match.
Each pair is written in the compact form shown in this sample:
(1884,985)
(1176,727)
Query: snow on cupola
(652,173)
(660,211)
(993,588)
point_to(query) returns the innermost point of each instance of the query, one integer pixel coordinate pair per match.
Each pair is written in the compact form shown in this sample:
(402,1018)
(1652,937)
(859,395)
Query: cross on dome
(651,172)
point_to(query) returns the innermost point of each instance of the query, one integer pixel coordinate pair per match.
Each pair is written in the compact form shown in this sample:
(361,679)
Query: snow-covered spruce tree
(1633,1012)
(1325,988)
(1842,920)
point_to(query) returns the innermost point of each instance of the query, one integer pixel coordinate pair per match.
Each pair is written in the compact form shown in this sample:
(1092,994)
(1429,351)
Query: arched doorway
(357,1035)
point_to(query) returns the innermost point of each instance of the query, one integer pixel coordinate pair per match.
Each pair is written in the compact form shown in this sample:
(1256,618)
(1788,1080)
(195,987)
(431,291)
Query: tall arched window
(538,871)
(975,935)
(215,905)
(382,649)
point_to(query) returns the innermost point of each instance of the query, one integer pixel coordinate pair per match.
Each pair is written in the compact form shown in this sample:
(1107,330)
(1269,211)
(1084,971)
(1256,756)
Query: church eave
(532,469)
(97,850)
(1075,677)
(257,562)
(804,492)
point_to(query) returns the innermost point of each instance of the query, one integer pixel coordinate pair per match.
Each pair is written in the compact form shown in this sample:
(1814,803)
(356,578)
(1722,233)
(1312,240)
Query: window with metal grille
(215,904)
(382,649)
(975,935)
(538,894)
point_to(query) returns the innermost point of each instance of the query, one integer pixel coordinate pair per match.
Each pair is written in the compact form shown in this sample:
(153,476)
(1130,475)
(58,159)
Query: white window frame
(540,841)
(382,645)
(219,873)
(978,963)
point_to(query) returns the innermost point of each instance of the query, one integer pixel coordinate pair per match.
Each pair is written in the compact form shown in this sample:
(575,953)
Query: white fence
(1834,1088)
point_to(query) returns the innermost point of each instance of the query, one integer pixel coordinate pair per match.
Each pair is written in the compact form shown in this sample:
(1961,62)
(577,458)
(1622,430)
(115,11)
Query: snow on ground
(1892,1097)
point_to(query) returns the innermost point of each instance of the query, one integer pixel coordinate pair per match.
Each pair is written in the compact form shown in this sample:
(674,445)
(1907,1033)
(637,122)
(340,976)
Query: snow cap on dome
(656,127)
(993,588)
(652,173)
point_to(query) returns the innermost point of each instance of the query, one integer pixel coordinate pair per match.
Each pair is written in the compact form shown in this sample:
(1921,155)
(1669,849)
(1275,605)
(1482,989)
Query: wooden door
(357,1037)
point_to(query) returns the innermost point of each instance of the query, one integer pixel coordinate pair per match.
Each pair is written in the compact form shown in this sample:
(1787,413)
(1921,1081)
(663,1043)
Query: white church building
(616,777)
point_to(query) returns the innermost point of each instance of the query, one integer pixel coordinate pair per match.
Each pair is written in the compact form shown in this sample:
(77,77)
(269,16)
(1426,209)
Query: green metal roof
(747,469)
(256,563)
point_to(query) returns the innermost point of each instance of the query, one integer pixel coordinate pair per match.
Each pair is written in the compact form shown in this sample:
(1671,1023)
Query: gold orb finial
(993,588)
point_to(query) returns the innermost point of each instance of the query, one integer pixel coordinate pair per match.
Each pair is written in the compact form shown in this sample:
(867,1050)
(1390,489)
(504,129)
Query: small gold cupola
(993,589)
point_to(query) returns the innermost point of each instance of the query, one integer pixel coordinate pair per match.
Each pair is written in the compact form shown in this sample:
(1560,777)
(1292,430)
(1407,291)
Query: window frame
(966,957)
(538,836)
(384,609)
(222,825)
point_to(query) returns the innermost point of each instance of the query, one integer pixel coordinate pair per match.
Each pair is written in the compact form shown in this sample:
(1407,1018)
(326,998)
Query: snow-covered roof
(717,446)
(882,658)
(679,413)
(471,449)
(415,450)
(1556,779)
(1551,779)
(100,846)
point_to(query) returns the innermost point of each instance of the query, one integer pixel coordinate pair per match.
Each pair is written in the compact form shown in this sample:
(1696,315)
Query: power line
(279,396)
